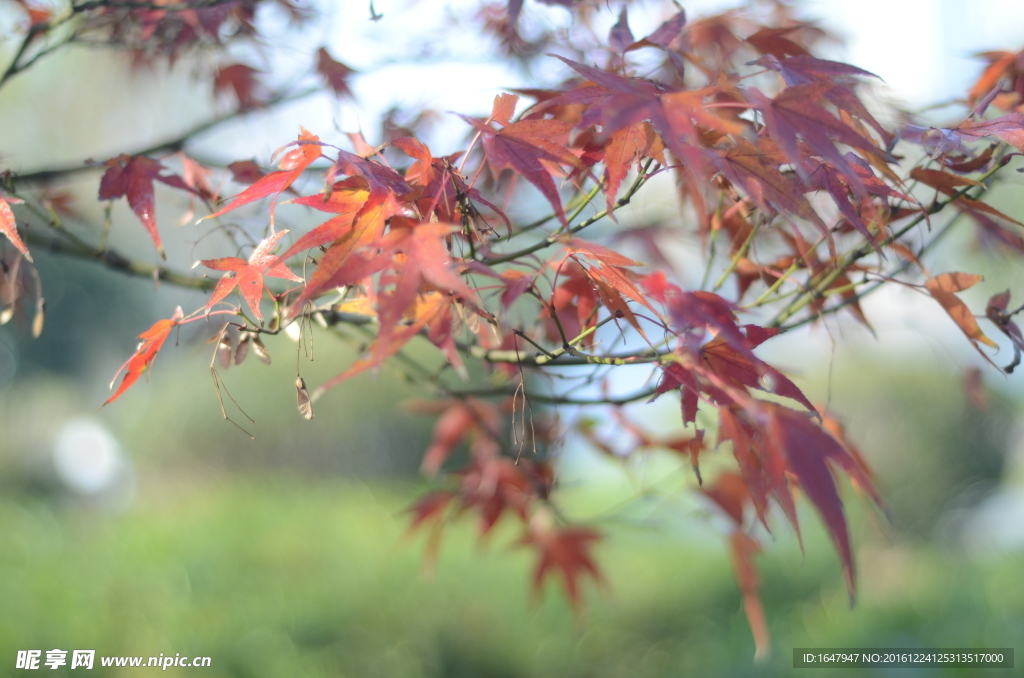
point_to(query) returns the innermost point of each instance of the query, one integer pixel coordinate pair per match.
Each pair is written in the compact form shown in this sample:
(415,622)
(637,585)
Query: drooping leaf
(808,449)
(292,165)
(9,227)
(943,289)
(524,147)
(997,312)
(335,73)
(743,368)
(766,186)
(752,476)
(796,111)
(152,340)
(132,177)
(742,550)
(564,551)
(458,419)
(625,147)
(620,37)
(241,80)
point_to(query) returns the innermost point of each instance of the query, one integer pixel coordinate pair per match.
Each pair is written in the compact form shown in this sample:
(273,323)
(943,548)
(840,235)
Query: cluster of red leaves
(421,253)
(166,29)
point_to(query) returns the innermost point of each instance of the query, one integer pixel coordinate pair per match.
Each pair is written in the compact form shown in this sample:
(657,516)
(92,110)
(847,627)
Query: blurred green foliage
(276,575)
(932,449)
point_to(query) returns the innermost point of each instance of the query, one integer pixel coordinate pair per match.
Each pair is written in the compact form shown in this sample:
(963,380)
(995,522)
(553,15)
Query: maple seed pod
(302,397)
(261,350)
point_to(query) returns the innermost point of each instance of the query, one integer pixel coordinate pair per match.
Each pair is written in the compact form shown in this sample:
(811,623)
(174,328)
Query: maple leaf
(426,261)
(458,419)
(839,187)
(746,166)
(493,485)
(335,73)
(611,278)
(619,102)
(422,280)
(625,147)
(152,340)
(796,111)
(774,41)
(664,37)
(802,70)
(292,165)
(807,449)
(132,177)
(731,493)
(620,37)
(524,146)
(695,312)
(743,368)
(565,551)
(997,312)
(573,303)
(241,80)
(341,265)
(246,171)
(742,549)
(9,227)
(943,289)
(1009,128)
(1000,65)
(248,275)
(753,479)
(350,201)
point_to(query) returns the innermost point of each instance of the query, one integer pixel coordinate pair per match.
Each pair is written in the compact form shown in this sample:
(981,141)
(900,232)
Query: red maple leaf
(458,419)
(742,367)
(248,275)
(152,340)
(943,289)
(241,80)
(565,551)
(9,227)
(796,111)
(806,448)
(132,177)
(334,72)
(292,165)
(525,146)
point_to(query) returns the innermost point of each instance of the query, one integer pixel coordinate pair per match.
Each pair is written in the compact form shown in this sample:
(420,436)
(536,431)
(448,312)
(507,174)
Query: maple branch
(175,144)
(585,199)
(113,260)
(825,280)
(12,68)
(557,399)
(640,180)
(853,299)
(735,261)
(70,244)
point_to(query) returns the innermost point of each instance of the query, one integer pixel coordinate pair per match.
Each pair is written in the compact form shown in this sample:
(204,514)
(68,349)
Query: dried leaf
(943,288)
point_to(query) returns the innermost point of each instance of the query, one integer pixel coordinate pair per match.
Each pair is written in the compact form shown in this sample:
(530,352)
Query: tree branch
(175,144)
